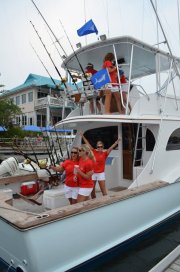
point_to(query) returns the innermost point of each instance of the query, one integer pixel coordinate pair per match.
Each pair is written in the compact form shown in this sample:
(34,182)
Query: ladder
(139,145)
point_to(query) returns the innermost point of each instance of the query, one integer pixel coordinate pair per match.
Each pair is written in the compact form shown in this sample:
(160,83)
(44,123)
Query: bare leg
(107,103)
(82,198)
(98,105)
(118,101)
(91,106)
(102,186)
(93,193)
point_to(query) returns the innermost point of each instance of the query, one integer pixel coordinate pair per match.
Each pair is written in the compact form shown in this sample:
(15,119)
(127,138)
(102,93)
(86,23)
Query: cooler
(53,198)
(29,188)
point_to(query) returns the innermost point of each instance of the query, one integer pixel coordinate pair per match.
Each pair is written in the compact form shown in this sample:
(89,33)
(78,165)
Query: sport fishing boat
(142,173)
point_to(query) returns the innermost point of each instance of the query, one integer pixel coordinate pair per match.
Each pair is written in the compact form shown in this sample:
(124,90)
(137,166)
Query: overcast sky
(111,17)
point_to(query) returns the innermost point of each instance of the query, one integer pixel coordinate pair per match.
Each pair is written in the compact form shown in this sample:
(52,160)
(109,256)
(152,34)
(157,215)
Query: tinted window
(108,135)
(150,140)
(174,140)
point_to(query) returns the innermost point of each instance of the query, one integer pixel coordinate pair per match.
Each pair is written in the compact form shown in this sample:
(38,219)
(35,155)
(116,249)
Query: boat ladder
(139,145)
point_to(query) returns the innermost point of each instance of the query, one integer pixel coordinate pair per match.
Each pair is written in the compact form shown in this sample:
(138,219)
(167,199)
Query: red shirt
(85,166)
(113,75)
(68,165)
(91,71)
(123,79)
(101,157)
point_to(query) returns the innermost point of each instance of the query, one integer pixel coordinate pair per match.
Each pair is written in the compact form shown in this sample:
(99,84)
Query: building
(41,102)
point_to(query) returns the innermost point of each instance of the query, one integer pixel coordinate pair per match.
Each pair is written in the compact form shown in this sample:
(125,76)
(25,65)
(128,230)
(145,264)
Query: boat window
(108,135)
(150,140)
(174,141)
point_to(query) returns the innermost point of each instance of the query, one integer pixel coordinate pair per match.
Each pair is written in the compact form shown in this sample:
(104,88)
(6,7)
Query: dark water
(139,255)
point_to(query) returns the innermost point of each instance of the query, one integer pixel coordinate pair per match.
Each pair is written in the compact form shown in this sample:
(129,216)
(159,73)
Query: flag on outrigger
(100,78)
(87,28)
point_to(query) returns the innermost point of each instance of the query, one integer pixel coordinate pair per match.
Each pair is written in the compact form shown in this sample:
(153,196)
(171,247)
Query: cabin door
(128,146)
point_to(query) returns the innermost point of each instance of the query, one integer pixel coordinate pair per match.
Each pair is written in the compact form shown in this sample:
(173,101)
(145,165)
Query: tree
(7,112)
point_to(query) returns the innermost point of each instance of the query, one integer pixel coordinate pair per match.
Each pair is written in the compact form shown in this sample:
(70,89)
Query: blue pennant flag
(88,28)
(100,78)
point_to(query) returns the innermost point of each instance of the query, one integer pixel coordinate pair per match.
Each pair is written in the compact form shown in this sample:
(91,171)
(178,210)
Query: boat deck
(29,218)
(171,263)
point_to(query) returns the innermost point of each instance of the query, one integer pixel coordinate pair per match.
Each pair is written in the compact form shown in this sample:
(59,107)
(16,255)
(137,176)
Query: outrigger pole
(44,66)
(155,11)
(56,40)
(73,50)
(50,56)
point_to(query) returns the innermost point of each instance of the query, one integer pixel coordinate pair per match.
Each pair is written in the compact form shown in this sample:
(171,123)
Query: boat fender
(20,269)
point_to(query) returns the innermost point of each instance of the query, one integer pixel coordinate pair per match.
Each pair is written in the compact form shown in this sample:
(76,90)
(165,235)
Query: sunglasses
(73,152)
(81,150)
(100,146)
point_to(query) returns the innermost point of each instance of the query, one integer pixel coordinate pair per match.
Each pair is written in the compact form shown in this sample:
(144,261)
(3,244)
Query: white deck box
(53,198)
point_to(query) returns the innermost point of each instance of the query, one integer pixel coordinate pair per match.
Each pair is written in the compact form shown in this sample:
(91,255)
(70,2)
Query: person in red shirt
(84,173)
(99,166)
(71,186)
(113,86)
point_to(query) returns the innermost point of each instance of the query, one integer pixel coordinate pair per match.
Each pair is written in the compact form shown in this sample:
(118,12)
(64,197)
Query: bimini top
(143,62)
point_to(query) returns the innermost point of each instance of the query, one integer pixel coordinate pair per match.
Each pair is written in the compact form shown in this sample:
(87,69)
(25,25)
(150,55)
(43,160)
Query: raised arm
(85,140)
(113,145)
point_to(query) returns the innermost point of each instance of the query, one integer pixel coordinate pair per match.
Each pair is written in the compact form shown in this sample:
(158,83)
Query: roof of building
(38,81)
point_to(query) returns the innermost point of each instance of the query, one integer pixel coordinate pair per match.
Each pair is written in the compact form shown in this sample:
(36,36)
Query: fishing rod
(44,66)
(84,74)
(63,81)
(56,40)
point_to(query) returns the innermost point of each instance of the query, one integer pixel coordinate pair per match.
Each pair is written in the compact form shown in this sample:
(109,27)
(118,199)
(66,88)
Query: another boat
(142,174)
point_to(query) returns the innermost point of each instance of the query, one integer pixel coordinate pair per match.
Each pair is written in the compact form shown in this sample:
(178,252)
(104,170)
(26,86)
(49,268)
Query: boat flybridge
(142,173)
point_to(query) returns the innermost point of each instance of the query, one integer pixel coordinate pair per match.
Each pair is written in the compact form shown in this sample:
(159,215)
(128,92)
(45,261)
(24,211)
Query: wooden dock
(171,263)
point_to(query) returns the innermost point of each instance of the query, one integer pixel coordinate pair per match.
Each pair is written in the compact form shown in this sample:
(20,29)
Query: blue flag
(100,78)
(88,28)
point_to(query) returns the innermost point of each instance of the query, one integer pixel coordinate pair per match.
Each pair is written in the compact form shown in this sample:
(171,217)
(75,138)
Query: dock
(171,263)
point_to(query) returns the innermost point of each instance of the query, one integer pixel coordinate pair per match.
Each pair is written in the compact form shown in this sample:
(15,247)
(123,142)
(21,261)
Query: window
(150,140)
(30,121)
(17,100)
(18,120)
(106,134)
(23,96)
(24,120)
(30,97)
(174,141)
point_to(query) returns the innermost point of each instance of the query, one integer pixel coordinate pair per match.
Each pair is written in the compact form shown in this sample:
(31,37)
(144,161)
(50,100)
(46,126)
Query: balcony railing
(51,101)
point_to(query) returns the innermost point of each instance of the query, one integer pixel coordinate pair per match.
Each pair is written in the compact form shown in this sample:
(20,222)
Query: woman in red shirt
(71,184)
(113,86)
(84,173)
(99,166)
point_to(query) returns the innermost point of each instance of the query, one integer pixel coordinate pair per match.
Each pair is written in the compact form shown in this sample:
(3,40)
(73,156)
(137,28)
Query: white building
(41,102)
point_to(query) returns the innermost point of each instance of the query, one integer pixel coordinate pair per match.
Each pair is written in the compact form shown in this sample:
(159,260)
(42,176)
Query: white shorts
(71,192)
(98,176)
(113,88)
(85,191)
(124,87)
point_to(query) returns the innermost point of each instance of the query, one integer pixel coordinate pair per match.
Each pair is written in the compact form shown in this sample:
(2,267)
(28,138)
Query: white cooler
(53,198)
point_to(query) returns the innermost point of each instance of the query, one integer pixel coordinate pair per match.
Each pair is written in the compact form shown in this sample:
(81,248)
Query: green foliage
(18,132)
(7,112)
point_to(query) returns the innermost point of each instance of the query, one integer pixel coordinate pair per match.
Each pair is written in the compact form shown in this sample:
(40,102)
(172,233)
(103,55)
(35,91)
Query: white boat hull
(63,244)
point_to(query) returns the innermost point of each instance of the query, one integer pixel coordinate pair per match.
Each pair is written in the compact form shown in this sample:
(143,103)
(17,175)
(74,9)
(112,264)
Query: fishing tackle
(56,40)
(66,87)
